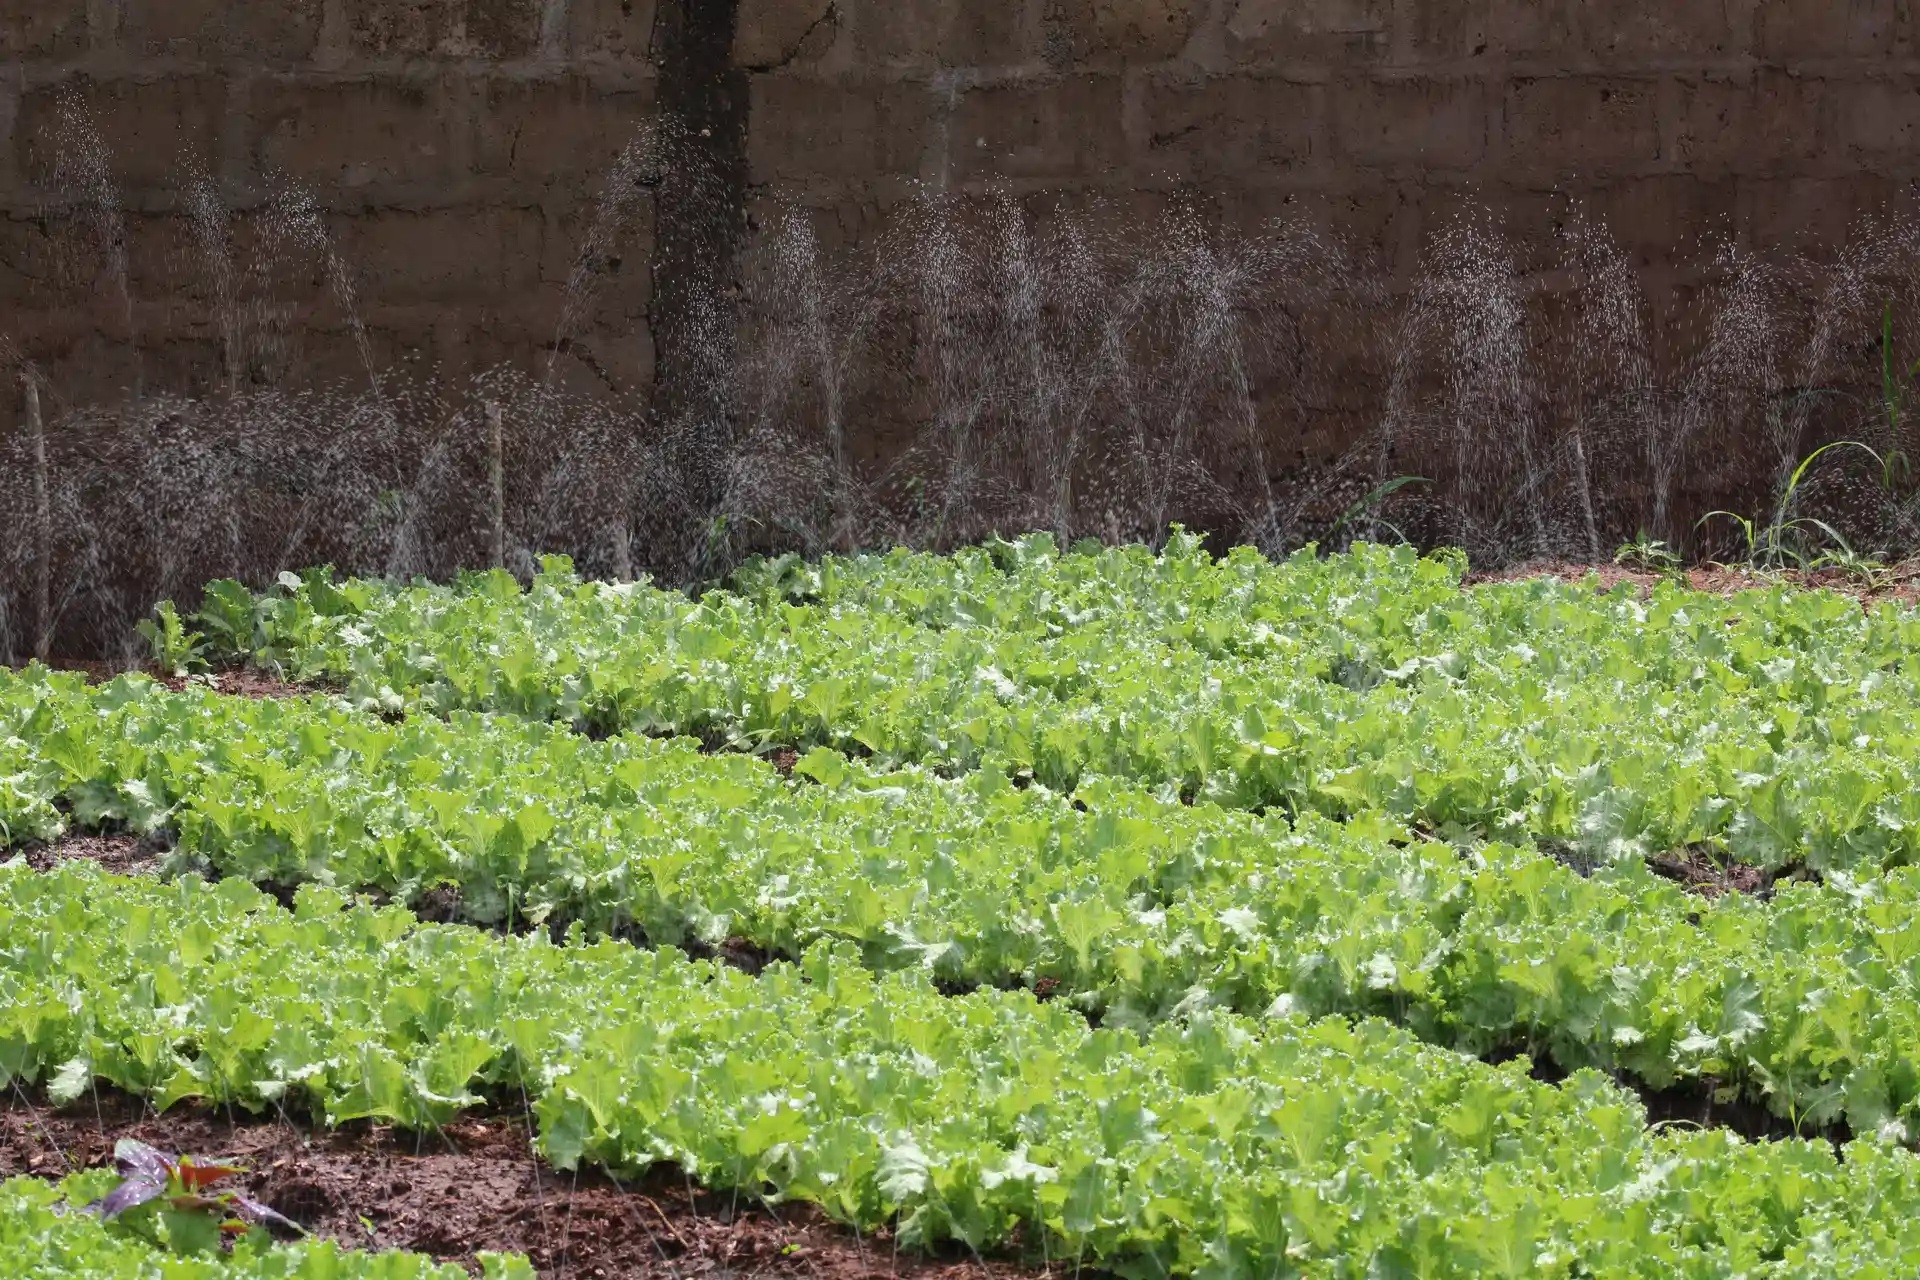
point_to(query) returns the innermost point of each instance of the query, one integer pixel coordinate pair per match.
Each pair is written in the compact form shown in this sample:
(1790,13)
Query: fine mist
(972,364)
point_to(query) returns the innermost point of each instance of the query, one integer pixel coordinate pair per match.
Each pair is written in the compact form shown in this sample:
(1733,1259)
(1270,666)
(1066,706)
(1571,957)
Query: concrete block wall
(1679,113)
(456,146)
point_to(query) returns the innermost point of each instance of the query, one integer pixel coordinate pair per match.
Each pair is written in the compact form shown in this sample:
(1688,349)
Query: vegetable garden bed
(475,1185)
(1155,913)
(1898,583)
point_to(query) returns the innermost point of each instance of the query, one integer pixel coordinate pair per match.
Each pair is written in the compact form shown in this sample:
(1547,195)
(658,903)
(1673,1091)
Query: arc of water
(801,274)
(1488,363)
(1081,285)
(1512,390)
(293,216)
(1397,417)
(1194,341)
(1612,345)
(1736,362)
(635,174)
(857,311)
(310,227)
(1120,332)
(1244,408)
(1844,293)
(956,415)
(1212,345)
(84,161)
(497,483)
(1032,394)
(211,228)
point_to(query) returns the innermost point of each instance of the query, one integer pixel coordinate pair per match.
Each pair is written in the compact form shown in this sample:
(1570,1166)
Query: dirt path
(122,855)
(240,682)
(1899,582)
(477,1185)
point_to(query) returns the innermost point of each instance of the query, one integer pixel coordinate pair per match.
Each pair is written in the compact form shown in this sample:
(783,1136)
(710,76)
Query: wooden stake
(42,526)
(497,476)
(1586,496)
(622,551)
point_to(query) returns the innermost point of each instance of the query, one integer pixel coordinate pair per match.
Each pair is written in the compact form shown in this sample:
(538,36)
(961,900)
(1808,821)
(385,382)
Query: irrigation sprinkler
(42,524)
(497,481)
(1585,490)
(621,537)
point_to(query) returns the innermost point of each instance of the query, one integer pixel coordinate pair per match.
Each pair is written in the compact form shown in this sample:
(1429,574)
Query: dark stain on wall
(700,220)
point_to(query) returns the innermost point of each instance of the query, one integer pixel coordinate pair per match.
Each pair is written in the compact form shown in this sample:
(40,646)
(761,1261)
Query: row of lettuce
(1037,728)
(1214,1145)
(1776,727)
(1131,905)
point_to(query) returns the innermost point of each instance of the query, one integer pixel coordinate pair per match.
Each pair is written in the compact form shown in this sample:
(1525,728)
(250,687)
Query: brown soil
(1699,870)
(477,1185)
(1690,1104)
(245,682)
(1900,582)
(122,855)
(240,682)
(1694,1106)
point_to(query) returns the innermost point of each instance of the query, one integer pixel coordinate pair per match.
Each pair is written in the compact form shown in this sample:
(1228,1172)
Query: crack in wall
(829,18)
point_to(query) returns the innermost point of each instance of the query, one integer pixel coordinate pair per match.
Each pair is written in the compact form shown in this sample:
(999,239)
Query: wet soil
(1899,582)
(1695,1104)
(736,953)
(122,855)
(477,1185)
(1698,869)
(246,683)
(241,682)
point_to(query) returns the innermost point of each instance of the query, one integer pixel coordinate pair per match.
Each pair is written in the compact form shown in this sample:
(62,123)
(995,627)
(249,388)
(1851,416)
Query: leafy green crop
(1136,906)
(1776,727)
(1219,1146)
(1207,802)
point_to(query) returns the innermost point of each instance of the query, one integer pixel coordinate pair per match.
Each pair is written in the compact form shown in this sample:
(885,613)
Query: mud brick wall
(456,146)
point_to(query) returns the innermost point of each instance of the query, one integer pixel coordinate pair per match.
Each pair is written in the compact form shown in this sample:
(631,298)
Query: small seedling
(171,1198)
(1770,546)
(1371,504)
(1649,554)
(176,649)
(1862,569)
(1895,386)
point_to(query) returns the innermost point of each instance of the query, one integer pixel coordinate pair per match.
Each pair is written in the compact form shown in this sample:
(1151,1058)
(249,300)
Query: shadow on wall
(982,364)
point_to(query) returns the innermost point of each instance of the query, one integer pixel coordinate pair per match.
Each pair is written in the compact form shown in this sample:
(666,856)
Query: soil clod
(1698,869)
(122,855)
(239,682)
